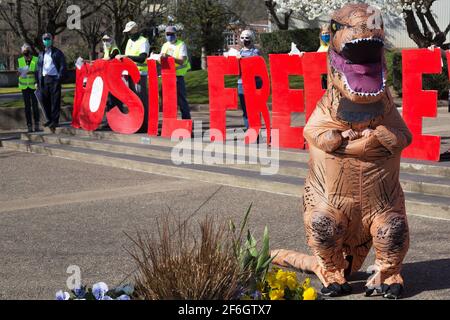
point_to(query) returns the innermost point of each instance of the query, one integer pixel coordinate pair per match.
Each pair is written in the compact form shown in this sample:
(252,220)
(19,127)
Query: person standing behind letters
(50,74)
(138,49)
(248,50)
(27,83)
(177,49)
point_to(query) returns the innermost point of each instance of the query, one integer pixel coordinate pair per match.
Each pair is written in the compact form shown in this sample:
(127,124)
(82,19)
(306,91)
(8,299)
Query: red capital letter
(286,100)
(256,99)
(221,98)
(314,66)
(169,86)
(94,99)
(80,90)
(418,103)
(124,123)
(153,98)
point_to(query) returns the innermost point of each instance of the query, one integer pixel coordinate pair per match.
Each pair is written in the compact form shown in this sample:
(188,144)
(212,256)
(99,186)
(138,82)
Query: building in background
(232,35)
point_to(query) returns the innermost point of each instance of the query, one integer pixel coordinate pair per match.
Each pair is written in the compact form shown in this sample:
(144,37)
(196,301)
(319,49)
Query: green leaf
(265,248)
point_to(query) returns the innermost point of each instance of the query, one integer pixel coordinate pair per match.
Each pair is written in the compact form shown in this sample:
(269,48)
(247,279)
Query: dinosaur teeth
(356,41)
(363,94)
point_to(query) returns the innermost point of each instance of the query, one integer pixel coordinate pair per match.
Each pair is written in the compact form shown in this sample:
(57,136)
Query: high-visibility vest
(134,49)
(30,80)
(107,51)
(181,69)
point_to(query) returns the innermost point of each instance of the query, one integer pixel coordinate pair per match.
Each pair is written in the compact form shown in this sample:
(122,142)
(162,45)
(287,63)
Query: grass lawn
(17,90)
(18,103)
(197,85)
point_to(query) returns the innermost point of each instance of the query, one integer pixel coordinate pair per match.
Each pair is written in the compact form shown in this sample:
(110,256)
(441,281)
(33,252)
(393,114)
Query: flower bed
(217,265)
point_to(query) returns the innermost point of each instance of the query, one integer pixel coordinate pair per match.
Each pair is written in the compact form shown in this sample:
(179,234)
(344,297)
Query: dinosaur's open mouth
(361,64)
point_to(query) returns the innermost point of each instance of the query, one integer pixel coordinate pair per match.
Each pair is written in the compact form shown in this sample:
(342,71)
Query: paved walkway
(56,213)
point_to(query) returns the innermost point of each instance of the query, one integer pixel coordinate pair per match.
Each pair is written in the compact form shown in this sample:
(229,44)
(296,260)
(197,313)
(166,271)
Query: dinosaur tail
(288,258)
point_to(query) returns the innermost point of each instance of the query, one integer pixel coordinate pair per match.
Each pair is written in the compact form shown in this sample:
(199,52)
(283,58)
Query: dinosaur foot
(393,291)
(337,290)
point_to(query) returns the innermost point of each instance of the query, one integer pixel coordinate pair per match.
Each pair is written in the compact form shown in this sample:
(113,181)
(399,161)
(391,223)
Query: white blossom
(317,8)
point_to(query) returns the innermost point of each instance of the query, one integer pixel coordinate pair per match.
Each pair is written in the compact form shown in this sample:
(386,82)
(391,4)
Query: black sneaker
(30,129)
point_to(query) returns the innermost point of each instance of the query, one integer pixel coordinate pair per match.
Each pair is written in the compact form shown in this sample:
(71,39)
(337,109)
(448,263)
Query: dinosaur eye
(336,26)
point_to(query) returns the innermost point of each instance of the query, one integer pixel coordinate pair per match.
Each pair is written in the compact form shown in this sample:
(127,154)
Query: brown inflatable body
(353,199)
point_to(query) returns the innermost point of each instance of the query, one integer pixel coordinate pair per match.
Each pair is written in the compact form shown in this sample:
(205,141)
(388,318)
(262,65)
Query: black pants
(182,99)
(31,107)
(51,98)
(324,82)
(141,91)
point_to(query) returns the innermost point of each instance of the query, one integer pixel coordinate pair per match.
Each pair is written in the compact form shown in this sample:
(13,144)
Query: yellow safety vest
(134,49)
(107,51)
(30,80)
(181,69)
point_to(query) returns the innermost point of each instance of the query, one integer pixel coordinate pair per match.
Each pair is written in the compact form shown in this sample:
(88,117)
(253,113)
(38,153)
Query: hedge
(280,41)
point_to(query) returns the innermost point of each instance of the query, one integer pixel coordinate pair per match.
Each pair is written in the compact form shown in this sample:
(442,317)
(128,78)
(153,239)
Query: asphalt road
(56,213)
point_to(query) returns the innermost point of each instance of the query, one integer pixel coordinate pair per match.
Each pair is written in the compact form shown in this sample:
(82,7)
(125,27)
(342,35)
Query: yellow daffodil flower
(276,295)
(310,294)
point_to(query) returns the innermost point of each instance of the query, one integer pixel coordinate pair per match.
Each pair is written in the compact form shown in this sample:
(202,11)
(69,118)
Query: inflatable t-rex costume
(353,198)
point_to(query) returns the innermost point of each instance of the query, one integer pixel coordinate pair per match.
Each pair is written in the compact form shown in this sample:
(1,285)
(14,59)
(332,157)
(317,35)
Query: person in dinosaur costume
(353,199)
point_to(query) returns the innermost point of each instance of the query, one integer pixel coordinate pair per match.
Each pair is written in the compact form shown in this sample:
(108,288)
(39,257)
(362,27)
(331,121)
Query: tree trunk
(93,53)
(271,7)
(414,30)
(204,59)
(424,38)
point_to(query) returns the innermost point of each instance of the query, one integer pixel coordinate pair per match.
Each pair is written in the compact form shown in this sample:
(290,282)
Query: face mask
(48,43)
(172,38)
(108,45)
(325,38)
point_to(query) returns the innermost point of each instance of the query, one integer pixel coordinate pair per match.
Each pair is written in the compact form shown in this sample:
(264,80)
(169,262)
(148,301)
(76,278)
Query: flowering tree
(414,12)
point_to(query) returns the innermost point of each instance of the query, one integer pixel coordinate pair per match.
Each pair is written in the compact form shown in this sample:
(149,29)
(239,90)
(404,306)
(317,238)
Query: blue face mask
(47,43)
(325,38)
(171,38)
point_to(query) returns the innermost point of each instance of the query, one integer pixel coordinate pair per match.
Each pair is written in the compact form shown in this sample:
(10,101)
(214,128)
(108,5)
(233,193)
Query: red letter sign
(221,98)
(314,66)
(418,103)
(153,98)
(132,121)
(169,84)
(80,90)
(256,99)
(94,100)
(286,100)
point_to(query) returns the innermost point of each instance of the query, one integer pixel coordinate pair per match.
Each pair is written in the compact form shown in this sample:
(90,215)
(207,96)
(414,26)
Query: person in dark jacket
(50,74)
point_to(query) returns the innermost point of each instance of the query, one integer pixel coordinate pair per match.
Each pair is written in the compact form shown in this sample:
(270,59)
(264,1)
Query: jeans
(182,99)
(31,107)
(242,103)
(259,84)
(51,98)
